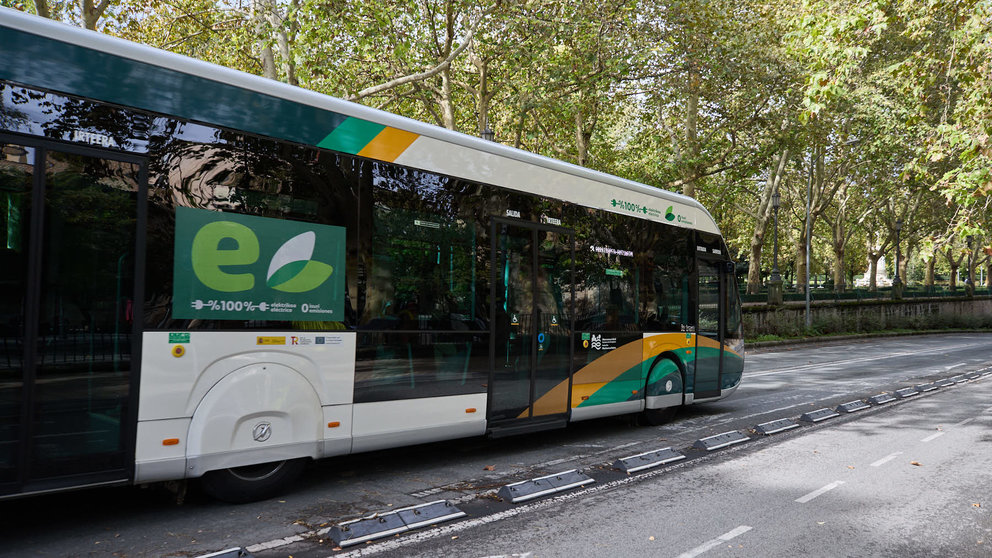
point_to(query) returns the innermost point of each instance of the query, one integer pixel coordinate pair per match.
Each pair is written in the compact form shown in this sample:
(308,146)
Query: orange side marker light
(170,442)
(334,424)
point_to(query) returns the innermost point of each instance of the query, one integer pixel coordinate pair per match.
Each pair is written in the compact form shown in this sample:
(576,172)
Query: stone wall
(864,316)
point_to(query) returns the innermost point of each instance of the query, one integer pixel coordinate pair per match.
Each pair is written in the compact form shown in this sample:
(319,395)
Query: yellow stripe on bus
(389,144)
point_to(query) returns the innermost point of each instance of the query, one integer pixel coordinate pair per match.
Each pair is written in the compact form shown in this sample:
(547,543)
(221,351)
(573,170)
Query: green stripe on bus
(38,61)
(351,135)
(617,390)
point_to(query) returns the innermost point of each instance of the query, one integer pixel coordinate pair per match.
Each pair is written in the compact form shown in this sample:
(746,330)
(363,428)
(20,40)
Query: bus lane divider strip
(720,441)
(776,426)
(882,399)
(853,406)
(648,460)
(542,486)
(819,415)
(377,526)
(906,392)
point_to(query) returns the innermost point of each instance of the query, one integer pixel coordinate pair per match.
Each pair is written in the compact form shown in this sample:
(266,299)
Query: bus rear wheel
(250,483)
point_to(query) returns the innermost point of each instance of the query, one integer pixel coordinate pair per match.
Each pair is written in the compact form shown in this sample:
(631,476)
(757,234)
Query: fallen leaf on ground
(976,505)
(917,463)
(650,538)
(489,468)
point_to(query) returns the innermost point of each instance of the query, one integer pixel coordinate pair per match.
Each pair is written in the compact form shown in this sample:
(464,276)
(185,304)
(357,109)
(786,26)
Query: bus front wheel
(658,417)
(250,483)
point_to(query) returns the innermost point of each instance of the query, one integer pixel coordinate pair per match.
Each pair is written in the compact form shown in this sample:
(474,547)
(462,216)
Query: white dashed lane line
(932,437)
(819,492)
(709,545)
(886,459)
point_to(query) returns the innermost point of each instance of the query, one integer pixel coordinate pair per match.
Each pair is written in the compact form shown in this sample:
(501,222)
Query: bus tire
(250,483)
(658,417)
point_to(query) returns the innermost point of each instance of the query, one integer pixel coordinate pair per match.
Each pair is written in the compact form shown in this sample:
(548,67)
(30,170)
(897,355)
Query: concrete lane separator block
(776,426)
(959,379)
(377,526)
(944,382)
(906,392)
(882,399)
(973,375)
(542,486)
(922,388)
(647,460)
(819,415)
(720,441)
(423,515)
(853,406)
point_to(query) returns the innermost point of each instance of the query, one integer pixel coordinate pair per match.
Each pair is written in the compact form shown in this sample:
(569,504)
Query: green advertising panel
(239,267)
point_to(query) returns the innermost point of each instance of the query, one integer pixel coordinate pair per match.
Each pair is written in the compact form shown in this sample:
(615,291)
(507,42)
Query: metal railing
(883,293)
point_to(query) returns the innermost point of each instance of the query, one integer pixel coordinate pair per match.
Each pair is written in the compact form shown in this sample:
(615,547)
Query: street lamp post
(969,283)
(775,281)
(897,282)
(809,233)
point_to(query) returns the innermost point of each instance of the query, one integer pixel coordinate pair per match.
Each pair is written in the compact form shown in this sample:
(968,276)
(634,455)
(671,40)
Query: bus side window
(668,271)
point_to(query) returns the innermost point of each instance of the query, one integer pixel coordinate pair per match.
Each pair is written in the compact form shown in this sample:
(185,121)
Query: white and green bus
(211,274)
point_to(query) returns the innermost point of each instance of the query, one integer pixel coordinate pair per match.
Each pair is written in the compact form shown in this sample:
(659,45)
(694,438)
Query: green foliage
(885,104)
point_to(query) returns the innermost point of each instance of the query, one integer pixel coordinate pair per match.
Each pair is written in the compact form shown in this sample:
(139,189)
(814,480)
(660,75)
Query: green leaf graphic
(300,276)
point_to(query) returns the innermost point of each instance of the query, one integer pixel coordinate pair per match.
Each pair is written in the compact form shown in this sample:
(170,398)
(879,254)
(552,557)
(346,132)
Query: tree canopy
(881,109)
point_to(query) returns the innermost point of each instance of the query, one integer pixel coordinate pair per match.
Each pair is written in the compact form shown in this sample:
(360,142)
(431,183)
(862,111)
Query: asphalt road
(910,481)
(778,383)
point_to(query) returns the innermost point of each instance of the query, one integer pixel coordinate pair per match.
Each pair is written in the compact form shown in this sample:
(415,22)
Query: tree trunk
(691,131)
(447,106)
(283,41)
(266,56)
(873,271)
(761,219)
(581,140)
(41,7)
(446,101)
(801,275)
(954,264)
(904,263)
(928,278)
(840,285)
(483,96)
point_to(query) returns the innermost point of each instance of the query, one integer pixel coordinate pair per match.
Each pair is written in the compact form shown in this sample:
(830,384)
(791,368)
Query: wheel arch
(259,413)
(657,397)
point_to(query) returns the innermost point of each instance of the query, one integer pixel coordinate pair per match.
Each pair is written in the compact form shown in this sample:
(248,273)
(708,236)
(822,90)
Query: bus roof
(38,52)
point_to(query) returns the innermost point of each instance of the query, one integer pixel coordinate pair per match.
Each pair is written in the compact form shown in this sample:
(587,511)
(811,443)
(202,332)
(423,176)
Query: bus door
(531,347)
(712,288)
(68,319)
